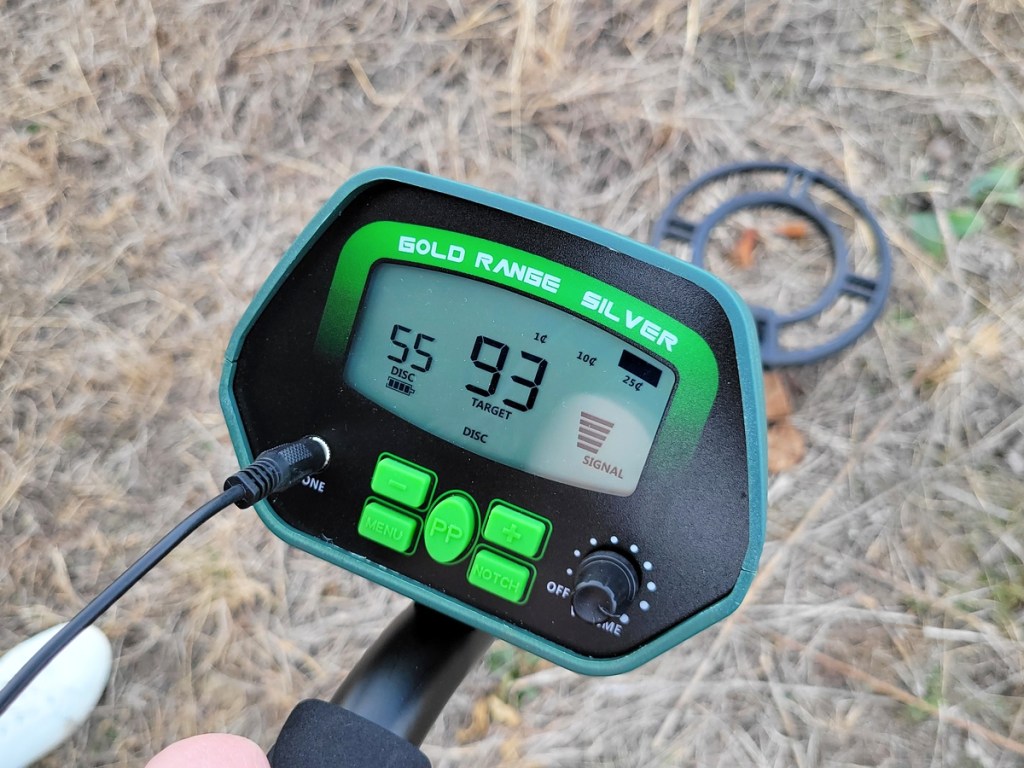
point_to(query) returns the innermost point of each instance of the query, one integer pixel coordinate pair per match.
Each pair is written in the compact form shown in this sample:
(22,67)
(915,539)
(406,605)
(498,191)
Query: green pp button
(401,482)
(500,576)
(450,528)
(515,531)
(388,527)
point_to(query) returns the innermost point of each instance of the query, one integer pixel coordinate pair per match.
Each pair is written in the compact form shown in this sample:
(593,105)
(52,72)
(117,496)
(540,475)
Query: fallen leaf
(503,712)
(964,221)
(479,723)
(786,447)
(743,252)
(932,374)
(776,397)
(797,229)
(925,227)
(1001,184)
(987,343)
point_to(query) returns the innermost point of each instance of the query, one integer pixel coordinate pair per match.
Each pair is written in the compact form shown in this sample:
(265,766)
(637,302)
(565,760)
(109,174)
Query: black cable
(273,471)
(112,594)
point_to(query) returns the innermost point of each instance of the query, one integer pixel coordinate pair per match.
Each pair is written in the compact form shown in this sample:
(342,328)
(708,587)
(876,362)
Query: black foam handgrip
(318,734)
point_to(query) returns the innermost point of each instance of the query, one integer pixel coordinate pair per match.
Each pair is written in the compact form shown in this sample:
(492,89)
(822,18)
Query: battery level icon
(402,387)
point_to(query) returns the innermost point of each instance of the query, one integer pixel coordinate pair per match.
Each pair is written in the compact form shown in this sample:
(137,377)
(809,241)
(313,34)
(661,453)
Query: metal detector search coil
(794,195)
(539,428)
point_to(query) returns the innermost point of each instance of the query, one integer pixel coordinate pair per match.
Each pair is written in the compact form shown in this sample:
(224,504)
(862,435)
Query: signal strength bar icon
(593,432)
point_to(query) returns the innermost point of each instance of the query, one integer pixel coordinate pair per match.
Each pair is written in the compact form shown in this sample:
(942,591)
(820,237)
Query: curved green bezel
(689,354)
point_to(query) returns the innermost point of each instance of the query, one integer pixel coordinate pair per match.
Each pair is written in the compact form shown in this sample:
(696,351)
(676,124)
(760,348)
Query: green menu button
(500,576)
(388,527)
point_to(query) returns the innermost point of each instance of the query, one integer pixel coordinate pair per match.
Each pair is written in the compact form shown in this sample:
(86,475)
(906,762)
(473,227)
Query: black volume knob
(606,584)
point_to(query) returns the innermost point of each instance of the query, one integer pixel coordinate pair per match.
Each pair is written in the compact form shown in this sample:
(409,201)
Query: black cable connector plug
(279,468)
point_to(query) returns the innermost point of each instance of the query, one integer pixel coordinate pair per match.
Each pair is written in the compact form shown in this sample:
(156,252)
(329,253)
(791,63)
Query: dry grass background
(155,161)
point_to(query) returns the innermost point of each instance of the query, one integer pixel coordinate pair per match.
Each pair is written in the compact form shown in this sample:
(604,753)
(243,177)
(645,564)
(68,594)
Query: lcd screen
(508,377)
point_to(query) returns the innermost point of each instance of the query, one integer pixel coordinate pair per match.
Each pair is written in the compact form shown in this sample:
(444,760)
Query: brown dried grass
(155,160)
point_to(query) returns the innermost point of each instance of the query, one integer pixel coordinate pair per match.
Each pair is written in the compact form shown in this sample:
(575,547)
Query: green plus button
(388,527)
(401,482)
(511,529)
(450,528)
(500,576)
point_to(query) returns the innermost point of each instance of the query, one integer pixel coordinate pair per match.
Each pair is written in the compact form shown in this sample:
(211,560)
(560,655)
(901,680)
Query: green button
(511,529)
(450,528)
(500,576)
(388,527)
(401,482)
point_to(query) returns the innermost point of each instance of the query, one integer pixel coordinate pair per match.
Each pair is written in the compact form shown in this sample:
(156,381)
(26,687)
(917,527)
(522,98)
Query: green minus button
(500,576)
(401,481)
(388,527)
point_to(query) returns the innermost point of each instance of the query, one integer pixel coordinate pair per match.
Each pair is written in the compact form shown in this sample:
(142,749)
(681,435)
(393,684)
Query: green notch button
(514,530)
(450,528)
(388,527)
(500,576)
(401,481)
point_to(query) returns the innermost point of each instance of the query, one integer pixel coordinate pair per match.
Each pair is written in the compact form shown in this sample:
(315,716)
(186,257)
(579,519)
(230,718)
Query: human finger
(212,750)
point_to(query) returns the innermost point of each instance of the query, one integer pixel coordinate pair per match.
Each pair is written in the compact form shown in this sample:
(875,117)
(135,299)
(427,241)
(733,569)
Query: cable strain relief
(258,480)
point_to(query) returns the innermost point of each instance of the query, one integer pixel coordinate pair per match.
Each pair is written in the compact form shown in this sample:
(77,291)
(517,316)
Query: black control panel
(543,429)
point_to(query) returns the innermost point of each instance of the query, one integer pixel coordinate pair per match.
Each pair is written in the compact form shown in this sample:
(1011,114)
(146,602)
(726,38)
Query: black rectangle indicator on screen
(639,368)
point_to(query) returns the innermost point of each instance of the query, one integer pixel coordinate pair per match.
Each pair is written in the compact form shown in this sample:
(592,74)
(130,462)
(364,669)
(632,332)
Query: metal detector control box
(540,428)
